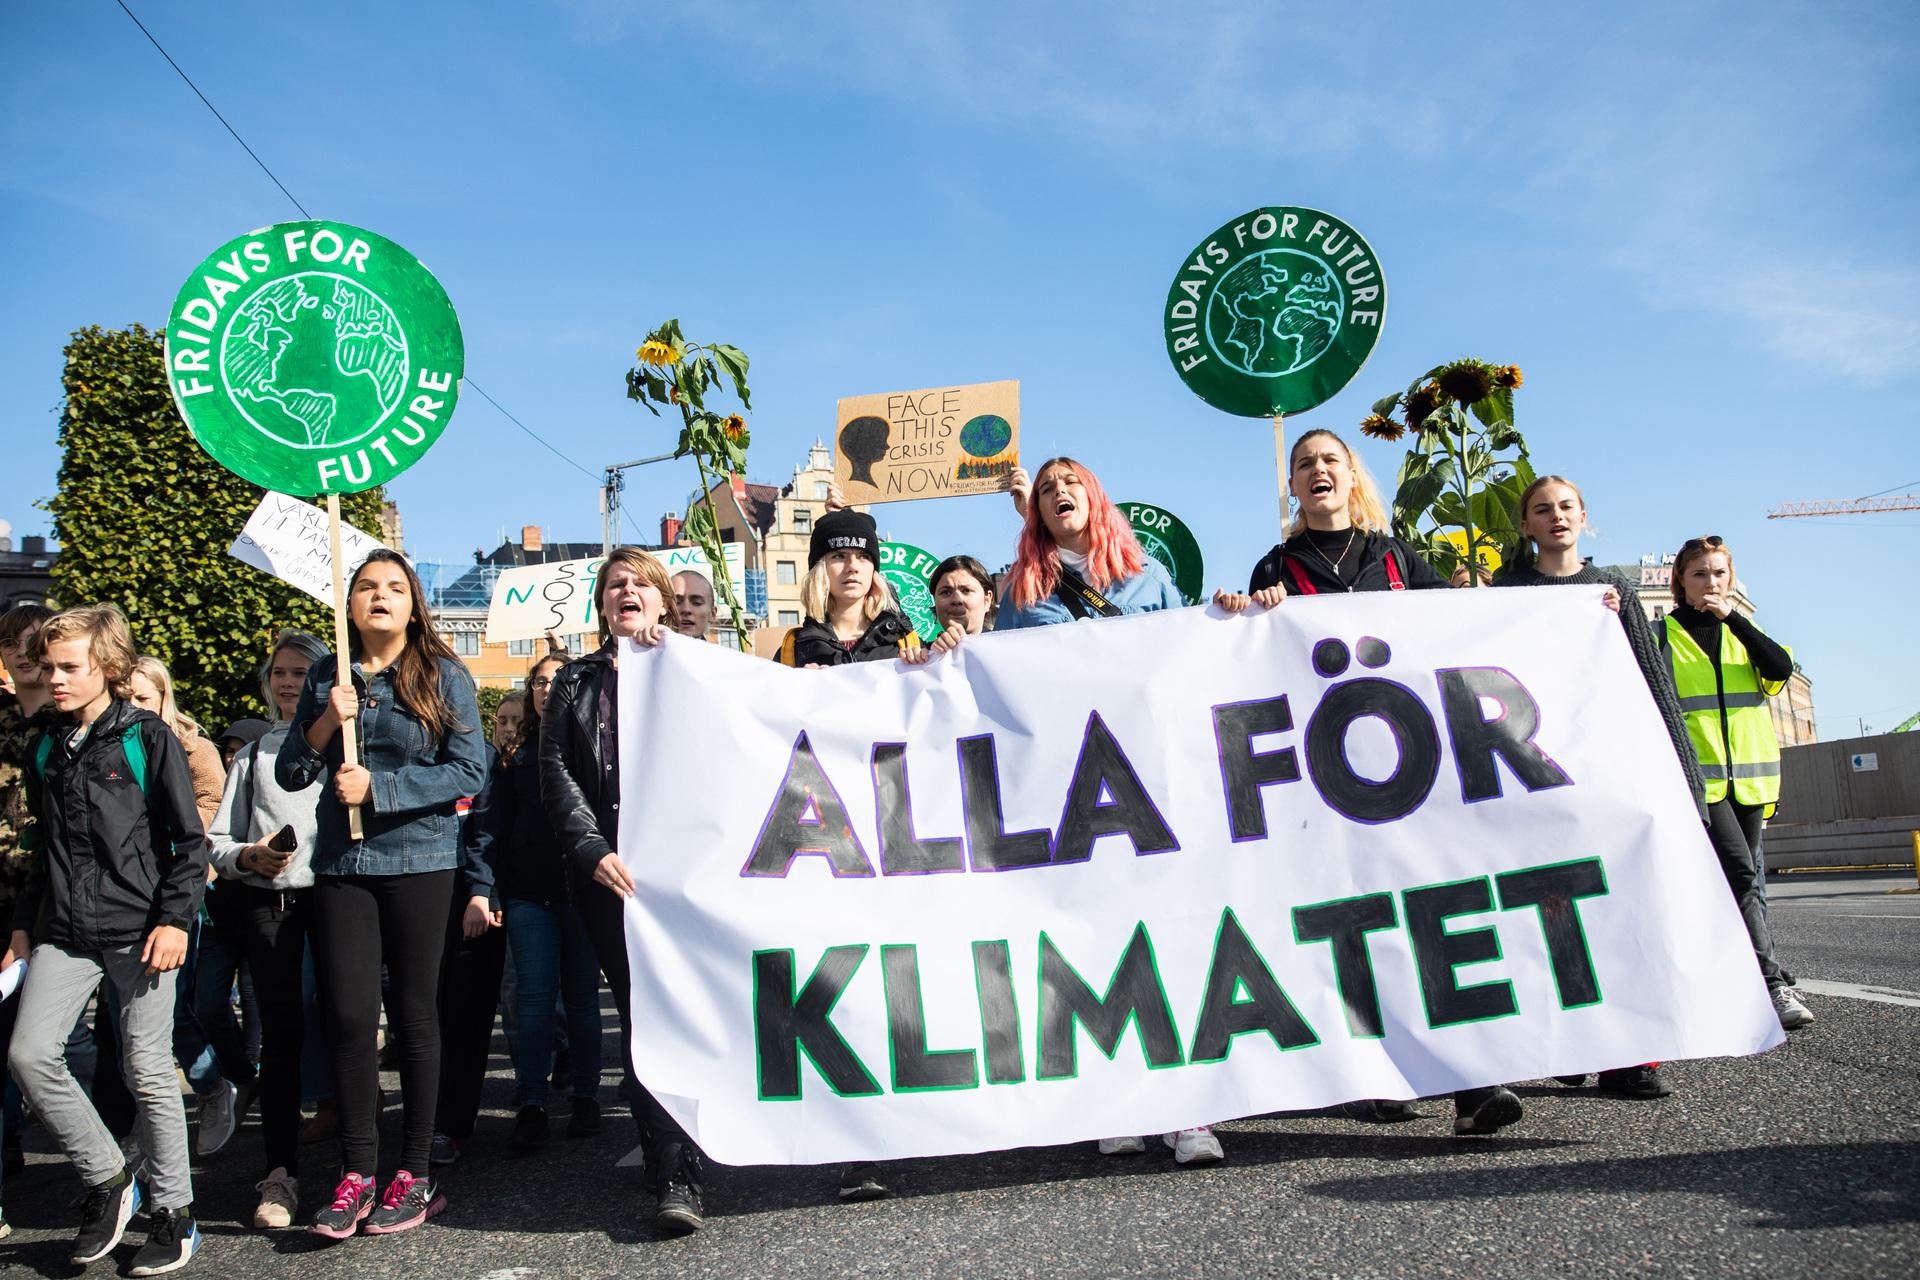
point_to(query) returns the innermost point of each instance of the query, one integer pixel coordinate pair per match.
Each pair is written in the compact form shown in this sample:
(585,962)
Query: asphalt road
(1801,1162)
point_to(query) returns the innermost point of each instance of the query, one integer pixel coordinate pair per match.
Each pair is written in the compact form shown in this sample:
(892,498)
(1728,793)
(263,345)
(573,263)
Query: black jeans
(274,931)
(603,912)
(470,975)
(1734,829)
(361,921)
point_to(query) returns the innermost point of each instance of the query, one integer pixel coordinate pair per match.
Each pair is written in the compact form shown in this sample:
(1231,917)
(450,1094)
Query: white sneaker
(1195,1146)
(219,1117)
(1793,1014)
(279,1197)
(1122,1146)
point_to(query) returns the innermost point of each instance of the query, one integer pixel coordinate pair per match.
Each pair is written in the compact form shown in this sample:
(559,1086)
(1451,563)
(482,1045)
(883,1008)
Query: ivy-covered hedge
(145,517)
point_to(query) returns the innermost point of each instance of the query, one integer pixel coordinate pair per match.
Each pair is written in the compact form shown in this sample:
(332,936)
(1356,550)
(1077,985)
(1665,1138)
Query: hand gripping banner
(1161,871)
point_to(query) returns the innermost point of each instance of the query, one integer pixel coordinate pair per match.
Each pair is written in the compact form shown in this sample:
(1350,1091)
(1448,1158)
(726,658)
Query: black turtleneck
(1769,660)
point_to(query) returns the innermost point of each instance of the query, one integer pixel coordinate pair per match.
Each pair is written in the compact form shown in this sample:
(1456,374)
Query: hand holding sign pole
(1273,314)
(315,357)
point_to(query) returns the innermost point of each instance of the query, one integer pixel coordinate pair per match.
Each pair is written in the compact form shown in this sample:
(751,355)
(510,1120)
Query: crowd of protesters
(239,908)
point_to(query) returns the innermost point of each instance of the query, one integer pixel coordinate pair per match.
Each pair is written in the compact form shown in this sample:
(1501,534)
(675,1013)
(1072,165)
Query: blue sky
(1695,226)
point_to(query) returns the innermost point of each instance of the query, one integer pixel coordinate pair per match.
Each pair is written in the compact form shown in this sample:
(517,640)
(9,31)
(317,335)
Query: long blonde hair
(184,726)
(1364,505)
(815,592)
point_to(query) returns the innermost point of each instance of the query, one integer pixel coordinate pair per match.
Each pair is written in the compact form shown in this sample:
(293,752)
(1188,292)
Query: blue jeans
(552,954)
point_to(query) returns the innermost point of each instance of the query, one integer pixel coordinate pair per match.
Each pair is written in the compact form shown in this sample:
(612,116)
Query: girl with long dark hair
(382,898)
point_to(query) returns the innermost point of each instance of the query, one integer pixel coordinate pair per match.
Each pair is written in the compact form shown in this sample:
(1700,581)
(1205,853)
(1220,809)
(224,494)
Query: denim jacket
(410,819)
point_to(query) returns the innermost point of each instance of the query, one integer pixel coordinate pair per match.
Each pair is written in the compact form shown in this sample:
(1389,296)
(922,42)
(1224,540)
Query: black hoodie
(118,858)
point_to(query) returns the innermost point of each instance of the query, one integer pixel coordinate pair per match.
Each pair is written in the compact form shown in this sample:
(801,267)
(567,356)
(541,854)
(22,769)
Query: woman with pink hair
(1077,556)
(1078,559)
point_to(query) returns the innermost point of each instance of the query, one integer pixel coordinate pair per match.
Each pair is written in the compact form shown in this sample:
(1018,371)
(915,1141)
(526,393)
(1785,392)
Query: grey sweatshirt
(254,807)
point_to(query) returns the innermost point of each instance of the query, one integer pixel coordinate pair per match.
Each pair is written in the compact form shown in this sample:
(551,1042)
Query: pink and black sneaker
(409,1202)
(352,1201)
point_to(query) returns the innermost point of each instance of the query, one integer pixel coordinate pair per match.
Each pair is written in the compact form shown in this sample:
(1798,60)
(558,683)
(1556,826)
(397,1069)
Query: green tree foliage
(490,700)
(145,517)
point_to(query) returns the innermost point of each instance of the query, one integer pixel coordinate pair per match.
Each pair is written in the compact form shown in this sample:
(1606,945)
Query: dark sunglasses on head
(1711,540)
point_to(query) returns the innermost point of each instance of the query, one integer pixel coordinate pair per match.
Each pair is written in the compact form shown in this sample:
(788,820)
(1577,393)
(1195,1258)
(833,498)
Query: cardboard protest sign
(288,539)
(909,571)
(1275,312)
(537,598)
(939,442)
(1375,847)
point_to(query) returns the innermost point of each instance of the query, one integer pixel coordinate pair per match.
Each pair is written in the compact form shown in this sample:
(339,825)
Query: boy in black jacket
(122,866)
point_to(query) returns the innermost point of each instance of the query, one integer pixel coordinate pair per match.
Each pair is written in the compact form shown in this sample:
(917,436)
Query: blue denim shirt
(1144,592)
(409,819)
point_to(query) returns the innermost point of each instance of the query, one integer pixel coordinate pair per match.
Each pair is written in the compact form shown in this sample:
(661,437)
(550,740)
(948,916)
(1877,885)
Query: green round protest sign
(909,571)
(314,357)
(1275,312)
(1166,539)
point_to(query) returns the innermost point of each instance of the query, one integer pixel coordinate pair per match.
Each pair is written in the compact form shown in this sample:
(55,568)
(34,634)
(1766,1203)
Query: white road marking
(1863,915)
(1855,991)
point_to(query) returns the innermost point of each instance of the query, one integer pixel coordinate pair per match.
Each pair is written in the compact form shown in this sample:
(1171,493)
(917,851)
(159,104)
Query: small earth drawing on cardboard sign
(308,331)
(986,436)
(1274,313)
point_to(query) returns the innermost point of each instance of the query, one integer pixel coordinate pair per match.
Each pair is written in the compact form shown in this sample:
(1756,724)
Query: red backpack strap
(1302,586)
(1394,581)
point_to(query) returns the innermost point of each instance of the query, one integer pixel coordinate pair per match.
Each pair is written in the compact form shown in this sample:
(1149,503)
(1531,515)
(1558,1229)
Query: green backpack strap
(136,753)
(131,746)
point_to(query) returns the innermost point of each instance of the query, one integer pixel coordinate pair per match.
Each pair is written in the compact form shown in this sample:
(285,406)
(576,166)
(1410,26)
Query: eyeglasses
(540,682)
(1711,540)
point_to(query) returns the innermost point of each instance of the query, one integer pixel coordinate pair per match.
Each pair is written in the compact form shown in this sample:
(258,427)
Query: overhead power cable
(254,156)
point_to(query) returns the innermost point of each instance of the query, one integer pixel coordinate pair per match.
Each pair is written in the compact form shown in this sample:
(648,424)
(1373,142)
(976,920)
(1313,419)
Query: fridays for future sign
(938,442)
(314,357)
(1275,312)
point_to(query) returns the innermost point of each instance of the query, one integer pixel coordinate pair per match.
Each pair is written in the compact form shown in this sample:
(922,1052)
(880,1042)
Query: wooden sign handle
(343,669)
(1280,465)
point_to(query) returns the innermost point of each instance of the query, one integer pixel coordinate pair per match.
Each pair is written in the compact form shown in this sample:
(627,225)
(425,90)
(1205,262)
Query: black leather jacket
(579,771)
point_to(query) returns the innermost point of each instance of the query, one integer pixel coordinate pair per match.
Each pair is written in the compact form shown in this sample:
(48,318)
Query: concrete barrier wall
(1860,842)
(1818,782)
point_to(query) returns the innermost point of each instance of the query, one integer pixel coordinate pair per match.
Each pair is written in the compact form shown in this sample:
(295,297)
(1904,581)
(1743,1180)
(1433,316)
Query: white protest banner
(1162,871)
(530,601)
(288,539)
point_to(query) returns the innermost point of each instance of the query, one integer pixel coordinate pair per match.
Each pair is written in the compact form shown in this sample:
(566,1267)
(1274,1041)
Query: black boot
(681,1186)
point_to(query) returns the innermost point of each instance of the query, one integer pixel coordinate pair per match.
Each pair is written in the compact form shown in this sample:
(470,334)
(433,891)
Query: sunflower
(1422,403)
(1467,381)
(1507,376)
(735,427)
(657,353)
(1381,428)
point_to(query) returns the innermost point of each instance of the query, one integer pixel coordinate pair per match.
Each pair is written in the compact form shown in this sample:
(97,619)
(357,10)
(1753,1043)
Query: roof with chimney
(756,500)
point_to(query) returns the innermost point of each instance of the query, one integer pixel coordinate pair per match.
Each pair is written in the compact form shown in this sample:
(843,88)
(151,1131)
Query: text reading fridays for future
(199,332)
(1338,249)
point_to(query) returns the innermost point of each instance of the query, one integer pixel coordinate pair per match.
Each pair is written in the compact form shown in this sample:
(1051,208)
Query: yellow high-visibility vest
(1741,750)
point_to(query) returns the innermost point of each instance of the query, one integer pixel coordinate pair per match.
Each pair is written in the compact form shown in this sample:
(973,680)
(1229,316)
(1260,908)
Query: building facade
(26,571)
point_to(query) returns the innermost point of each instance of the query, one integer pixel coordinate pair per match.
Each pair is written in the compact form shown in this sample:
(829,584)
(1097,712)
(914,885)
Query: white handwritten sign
(288,539)
(529,602)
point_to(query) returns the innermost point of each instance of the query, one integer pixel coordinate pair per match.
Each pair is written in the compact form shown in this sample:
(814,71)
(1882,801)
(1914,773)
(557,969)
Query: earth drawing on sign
(986,435)
(307,331)
(1275,312)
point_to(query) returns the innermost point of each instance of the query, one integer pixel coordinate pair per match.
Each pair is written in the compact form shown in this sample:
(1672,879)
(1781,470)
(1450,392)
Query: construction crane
(1847,507)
